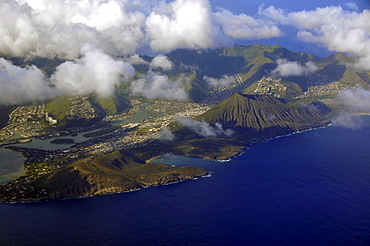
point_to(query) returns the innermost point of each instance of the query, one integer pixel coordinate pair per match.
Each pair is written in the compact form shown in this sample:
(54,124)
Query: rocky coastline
(117,172)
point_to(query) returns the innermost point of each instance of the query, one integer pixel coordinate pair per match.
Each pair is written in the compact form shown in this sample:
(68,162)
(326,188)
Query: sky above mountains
(250,7)
(331,13)
(122,27)
(90,33)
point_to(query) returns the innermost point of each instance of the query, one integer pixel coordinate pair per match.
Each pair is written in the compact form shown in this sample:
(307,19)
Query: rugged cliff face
(251,118)
(260,112)
(106,174)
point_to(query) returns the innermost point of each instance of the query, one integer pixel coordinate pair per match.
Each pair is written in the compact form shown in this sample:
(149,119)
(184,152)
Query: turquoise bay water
(311,188)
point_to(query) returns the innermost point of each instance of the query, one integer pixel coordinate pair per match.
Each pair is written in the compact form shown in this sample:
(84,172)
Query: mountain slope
(340,67)
(262,59)
(259,112)
(251,118)
(252,63)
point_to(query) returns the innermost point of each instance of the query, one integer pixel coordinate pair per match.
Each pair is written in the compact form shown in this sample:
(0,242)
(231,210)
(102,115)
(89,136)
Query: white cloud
(337,29)
(363,63)
(23,85)
(225,80)
(344,119)
(136,60)
(292,68)
(166,134)
(155,86)
(95,72)
(189,68)
(355,100)
(205,129)
(161,61)
(246,27)
(184,24)
(352,6)
(61,28)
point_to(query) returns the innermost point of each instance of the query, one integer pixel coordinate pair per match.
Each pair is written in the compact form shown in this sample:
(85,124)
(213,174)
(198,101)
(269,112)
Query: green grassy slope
(58,107)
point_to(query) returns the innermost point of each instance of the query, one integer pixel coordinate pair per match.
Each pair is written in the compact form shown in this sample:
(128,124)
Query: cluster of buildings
(270,86)
(50,119)
(24,121)
(141,133)
(330,89)
(80,108)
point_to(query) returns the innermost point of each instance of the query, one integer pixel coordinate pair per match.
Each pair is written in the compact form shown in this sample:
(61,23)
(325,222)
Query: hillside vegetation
(106,174)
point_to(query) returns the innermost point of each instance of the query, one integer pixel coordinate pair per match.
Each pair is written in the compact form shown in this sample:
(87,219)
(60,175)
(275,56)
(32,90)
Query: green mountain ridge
(257,61)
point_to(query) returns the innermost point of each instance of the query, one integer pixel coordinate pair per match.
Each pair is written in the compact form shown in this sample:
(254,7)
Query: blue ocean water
(311,188)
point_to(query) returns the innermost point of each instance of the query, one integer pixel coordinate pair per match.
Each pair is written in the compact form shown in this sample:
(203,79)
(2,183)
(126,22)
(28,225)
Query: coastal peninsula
(79,172)
(104,145)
